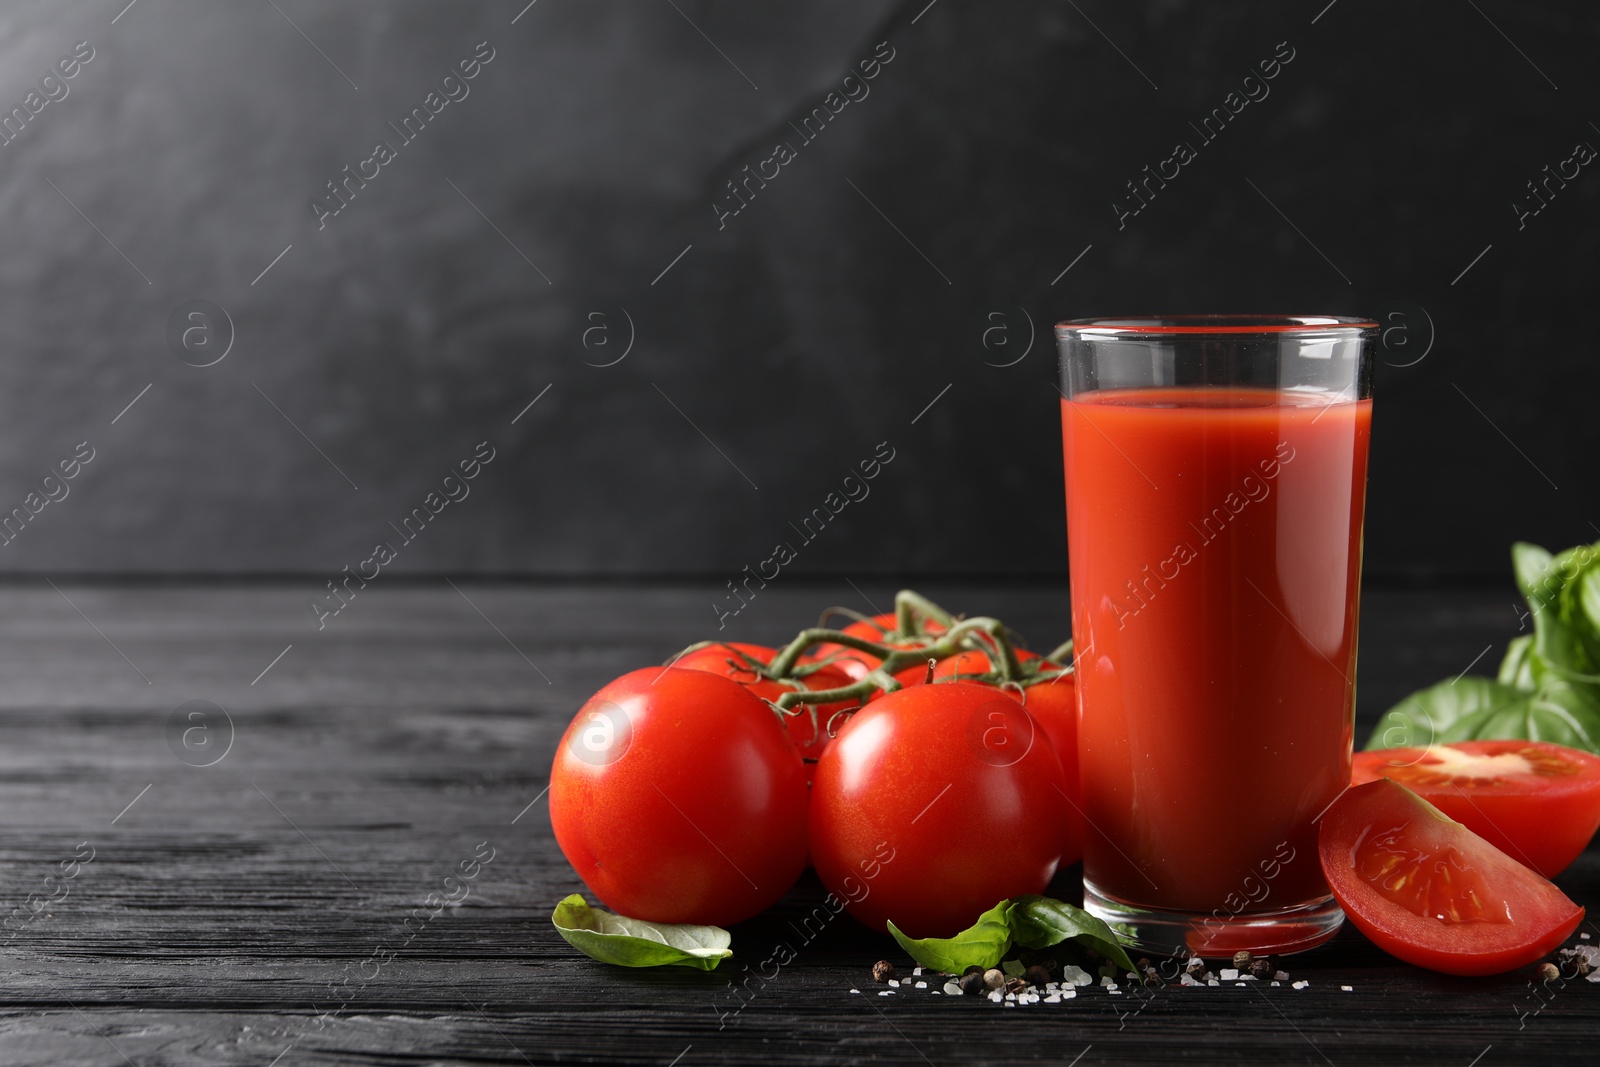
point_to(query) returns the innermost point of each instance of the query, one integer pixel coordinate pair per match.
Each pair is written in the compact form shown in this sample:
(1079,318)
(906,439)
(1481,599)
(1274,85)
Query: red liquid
(1215,540)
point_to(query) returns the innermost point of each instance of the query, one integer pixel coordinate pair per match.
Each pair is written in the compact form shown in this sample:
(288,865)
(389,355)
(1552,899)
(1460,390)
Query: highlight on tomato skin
(1537,802)
(1427,890)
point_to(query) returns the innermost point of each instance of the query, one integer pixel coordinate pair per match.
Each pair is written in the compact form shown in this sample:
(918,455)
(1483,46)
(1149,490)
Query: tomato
(677,797)
(1430,891)
(879,629)
(1535,801)
(1053,704)
(961,667)
(808,730)
(934,804)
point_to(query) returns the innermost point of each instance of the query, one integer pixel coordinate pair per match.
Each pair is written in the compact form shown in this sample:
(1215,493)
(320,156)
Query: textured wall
(573,192)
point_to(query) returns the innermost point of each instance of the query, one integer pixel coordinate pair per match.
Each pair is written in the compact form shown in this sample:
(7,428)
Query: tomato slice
(1535,801)
(1428,890)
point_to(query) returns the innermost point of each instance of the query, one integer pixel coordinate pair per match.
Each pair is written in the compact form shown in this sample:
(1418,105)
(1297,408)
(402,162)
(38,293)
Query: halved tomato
(1535,801)
(1428,890)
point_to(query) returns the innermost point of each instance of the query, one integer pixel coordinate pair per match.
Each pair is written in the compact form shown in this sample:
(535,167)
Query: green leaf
(1516,670)
(983,944)
(1039,922)
(1449,711)
(1529,563)
(1567,713)
(1561,710)
(635,943)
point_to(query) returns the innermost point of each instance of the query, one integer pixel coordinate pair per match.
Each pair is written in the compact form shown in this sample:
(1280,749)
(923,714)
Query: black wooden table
(253,911)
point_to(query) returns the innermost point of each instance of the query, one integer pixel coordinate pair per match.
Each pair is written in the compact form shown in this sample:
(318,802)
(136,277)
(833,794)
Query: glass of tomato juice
(1216,471)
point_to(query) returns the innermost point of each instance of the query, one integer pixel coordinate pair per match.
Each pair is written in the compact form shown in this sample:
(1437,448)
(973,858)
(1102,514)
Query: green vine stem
(911,607)
(1062,653)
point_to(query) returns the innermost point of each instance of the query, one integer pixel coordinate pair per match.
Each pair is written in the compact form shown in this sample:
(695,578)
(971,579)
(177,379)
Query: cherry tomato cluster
(925,764)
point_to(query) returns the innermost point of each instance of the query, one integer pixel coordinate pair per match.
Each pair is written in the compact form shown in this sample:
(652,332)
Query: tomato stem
(1062,653)
(911,608)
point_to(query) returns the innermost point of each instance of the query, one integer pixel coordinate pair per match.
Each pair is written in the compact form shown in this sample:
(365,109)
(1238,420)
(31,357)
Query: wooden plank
(222,910)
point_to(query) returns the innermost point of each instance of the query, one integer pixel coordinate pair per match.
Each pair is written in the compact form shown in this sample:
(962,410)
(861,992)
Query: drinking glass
(1216,471)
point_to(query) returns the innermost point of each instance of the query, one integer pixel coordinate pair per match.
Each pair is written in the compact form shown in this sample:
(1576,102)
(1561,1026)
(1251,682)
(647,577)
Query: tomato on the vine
(677,797)
(1053,704)
(1428,890)
(1535,801)
(956,785)
(807,723)
(880,629)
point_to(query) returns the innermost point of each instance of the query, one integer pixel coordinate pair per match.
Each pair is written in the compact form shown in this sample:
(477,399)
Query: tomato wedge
(1535,801)
(1429,891)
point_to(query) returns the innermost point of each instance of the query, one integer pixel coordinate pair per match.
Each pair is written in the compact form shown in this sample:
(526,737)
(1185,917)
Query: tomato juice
(1215,542)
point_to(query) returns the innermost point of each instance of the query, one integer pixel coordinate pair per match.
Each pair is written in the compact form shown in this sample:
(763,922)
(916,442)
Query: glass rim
(1164,325)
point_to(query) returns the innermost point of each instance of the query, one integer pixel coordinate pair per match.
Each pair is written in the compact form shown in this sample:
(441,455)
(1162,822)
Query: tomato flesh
(1426,889)
(1535,801)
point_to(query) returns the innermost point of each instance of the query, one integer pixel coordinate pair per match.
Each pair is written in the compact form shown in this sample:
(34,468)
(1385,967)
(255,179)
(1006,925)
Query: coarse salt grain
(1348,988)
(1301,984)
(1075,975)
(1584,936)
(1212,981)
(1053,998)
(1229,974)
(952,989)
(1277,983)
(1282,976)
(855,990)
(1239,984)
(1186,979)
(995,996)
(916,971)
(1068,994)
(886,993)
(922,985)
(1109,983)
(894,983)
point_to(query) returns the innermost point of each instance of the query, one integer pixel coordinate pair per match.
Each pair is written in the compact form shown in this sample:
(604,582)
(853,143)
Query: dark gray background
(822,320)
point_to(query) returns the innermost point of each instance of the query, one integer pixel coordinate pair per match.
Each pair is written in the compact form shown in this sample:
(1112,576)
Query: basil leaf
(1530,563)
(1449,711)
(983,944)
(635,943)
(1039,922)
(1516,669)
(1565,712)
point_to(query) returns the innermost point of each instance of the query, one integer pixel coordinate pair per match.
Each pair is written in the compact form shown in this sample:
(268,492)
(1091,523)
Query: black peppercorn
(1262,968)
(882,971)
(1196,970)
(972,983)
(1036,975)
(974,969)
